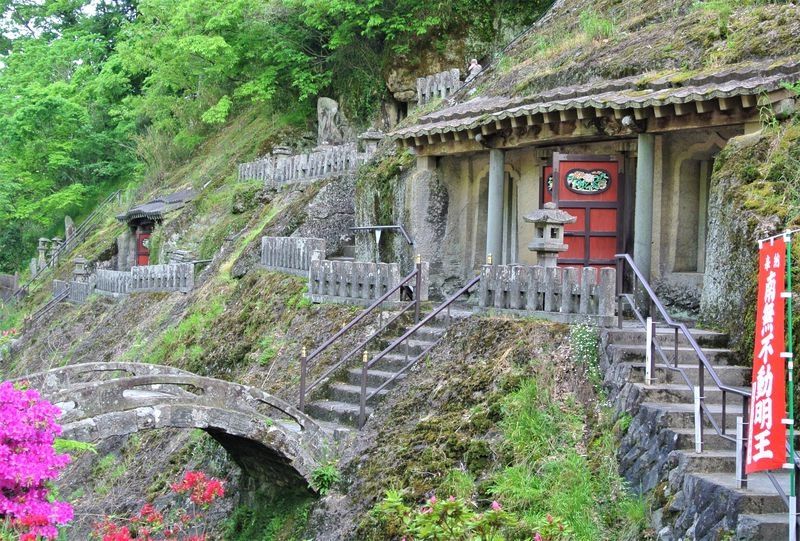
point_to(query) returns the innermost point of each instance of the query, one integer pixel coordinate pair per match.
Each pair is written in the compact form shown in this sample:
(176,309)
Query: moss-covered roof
(628,55)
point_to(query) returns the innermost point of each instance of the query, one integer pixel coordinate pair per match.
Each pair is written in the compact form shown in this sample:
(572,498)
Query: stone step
(730,375)
(679,393)
(720,460)
(343,392)
(711,440)
(763,526)
(628,353)
(637,337)
(393,362)
(760,496)
(682,415)
(375,378)
(429,333)
(342,413)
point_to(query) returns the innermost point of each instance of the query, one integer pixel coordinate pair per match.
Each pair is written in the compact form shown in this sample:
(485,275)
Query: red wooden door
(143,249)
(590,188)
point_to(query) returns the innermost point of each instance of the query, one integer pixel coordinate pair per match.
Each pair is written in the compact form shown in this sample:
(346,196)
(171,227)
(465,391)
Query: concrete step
(393,362)
(637,337)
(342,413)
(375,378)
(679,393)
(682,415)
(730,375)
(343,392)
(763,526)
(717,461)
(430,333)
(628,353)
(711,440)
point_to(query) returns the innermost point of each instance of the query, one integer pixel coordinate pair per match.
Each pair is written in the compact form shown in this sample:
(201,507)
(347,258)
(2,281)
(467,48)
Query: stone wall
(325,162)
(351,281)
(290,254)
(568,294)
(438,85)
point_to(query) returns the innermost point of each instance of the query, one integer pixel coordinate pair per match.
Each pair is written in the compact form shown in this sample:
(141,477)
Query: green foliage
(74,447)
(270,519)
(595,26)
(325,477)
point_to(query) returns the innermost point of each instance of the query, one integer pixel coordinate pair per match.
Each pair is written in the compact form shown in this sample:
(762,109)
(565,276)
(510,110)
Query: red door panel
(143,249)
(589,188)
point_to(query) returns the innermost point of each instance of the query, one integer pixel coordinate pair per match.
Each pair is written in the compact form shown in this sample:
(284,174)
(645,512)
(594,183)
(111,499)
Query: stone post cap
(371,135)
(43,241)
(550,214)
(281,150)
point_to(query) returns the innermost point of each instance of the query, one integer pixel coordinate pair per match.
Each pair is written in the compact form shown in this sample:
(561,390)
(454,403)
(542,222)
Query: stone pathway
(698,491)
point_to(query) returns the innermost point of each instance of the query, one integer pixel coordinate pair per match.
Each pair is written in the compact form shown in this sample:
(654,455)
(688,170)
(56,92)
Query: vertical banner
(766,442)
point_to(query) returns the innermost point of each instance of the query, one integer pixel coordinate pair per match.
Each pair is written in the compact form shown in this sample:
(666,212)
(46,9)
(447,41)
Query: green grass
(595,26)
(549,476)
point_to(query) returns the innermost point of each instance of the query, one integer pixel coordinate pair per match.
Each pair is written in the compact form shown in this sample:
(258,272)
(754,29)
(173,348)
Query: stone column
(643,207)
(494,222)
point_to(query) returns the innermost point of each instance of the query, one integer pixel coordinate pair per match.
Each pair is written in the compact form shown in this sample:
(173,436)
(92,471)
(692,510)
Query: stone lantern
(549,239)
(43,245)
(80,272)
(370,139)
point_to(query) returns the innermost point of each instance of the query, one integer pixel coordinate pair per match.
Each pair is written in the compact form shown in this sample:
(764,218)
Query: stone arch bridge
(266,436)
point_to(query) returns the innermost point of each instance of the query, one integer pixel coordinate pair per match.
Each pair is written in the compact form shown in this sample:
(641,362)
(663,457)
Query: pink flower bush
(28,461)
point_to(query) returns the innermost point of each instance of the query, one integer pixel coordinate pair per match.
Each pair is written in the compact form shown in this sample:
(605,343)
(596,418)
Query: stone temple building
(631,159)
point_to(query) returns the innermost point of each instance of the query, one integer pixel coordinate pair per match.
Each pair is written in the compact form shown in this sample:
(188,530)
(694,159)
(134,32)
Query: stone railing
(351,281)
(438,85)
(323,163)
(563,293)
(59,286)
(112,282)
(290,254)
(79,291)
(174,277)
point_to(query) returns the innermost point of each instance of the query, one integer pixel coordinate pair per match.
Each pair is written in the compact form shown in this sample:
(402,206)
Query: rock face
(330,214)
(733,230)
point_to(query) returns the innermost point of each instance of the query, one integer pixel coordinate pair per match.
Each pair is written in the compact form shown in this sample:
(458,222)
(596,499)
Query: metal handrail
(69,243)
(369,364)
(416,275)
(703,366)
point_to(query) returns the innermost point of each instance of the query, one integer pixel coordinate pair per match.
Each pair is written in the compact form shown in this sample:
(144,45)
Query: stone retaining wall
(351,281)
(566,294)
(438,85)
(290,254)
(326,162)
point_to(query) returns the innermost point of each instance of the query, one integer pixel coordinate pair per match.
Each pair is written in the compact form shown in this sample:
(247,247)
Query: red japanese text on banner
(766,442)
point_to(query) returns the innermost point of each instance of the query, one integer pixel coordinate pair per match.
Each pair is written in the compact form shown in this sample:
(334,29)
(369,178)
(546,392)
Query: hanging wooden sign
(766,442)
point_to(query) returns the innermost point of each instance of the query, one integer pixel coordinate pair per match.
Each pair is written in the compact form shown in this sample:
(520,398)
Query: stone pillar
(643,207)
(494,222)
(43,245)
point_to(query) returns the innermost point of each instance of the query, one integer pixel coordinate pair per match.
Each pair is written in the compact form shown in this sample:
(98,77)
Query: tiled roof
(621,94)
(156,208)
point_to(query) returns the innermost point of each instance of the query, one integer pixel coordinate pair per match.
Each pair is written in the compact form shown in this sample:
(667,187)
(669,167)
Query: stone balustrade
(111,282)
(438,85)
(79,291)
(566,294)
(174,277)
(290,254)
(351,281)
(59,286)
(325,162)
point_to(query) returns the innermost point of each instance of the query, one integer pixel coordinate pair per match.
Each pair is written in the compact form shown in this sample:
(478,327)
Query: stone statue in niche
(332,126)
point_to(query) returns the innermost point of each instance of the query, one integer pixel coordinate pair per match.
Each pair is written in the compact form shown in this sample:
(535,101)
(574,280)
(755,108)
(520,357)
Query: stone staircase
(700,496)
(338,401)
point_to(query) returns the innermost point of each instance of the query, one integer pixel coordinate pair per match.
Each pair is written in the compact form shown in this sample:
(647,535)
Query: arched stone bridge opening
(267,437)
